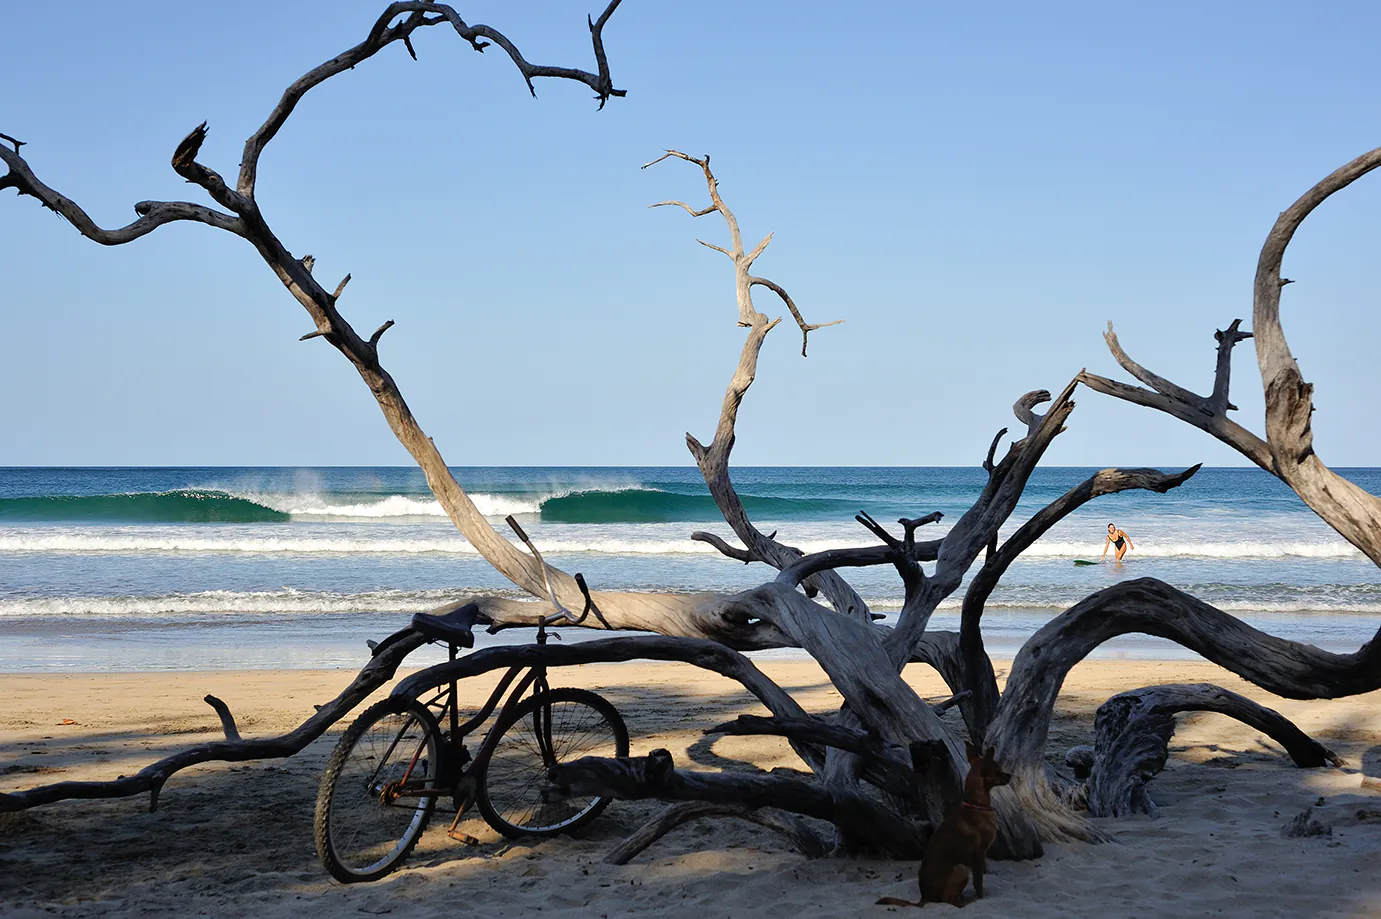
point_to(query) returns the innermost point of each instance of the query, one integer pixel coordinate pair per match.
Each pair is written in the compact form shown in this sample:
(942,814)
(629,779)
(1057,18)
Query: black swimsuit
(1117,543)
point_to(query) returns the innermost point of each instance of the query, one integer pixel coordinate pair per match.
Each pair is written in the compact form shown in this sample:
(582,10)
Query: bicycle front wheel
(379,790)
(512,795)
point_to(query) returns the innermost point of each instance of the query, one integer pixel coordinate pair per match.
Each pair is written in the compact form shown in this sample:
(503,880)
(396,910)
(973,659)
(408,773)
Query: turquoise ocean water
(219,567)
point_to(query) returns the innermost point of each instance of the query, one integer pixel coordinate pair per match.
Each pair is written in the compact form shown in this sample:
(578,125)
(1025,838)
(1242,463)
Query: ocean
(131,569)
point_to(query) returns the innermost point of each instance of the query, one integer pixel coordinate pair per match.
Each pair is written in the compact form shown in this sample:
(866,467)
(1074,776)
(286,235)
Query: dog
(959,846)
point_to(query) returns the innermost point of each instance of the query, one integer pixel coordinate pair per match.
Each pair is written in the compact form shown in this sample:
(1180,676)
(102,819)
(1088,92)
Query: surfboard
(1083,561)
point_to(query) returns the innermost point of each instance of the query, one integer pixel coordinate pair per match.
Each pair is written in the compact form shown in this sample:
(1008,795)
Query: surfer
(1119,540)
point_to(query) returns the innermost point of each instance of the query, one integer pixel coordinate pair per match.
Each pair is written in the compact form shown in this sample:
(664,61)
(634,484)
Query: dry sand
(237,841)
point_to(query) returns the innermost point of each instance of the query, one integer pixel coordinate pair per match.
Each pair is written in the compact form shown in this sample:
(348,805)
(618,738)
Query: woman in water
(1119,540)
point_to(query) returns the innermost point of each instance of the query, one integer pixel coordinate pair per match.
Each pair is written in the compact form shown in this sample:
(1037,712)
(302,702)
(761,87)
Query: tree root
(655,776)
(1133,731)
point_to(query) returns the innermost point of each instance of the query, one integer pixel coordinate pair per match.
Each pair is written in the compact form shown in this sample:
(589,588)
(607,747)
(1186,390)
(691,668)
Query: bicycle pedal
(462,838)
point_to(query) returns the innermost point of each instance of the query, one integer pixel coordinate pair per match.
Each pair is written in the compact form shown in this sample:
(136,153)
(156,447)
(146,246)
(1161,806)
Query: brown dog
(960,843)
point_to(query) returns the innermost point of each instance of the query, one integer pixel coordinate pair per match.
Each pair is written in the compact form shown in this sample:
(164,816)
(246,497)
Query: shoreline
(301,642)
(235,839)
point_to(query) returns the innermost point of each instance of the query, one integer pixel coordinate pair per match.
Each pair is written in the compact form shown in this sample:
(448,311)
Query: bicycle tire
(359,835)
(510,791)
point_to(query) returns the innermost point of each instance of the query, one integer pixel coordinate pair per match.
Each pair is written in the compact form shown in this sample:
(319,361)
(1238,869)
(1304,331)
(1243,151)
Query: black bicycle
(396,760)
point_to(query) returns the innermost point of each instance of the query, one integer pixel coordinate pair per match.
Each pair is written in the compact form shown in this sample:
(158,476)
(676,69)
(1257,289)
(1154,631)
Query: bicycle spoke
(516,776)
(373,814)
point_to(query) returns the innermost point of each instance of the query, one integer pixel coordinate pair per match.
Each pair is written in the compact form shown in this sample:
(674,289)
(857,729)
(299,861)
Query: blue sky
(976,188)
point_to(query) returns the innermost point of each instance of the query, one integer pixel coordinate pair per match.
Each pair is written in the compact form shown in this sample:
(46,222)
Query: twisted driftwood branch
(714,459)
(1207,413)
(1288,450)
(1287,668)
(980,708)
(1133,731)
(655,776)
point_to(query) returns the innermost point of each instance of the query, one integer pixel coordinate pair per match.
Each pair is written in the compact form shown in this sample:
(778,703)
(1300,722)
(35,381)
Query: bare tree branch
(382,34)
(742,555)
(980,709)
(1353,512)
(1288,451)
(152,214)
(1207,414)
(714,459)
(1222,372)
(806,327)
(980,523)
(1287,668)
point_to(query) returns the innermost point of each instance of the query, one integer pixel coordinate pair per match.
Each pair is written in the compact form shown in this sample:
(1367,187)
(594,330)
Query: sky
(977,189)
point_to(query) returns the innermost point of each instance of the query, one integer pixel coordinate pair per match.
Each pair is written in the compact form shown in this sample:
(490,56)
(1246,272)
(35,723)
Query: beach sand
(236,840)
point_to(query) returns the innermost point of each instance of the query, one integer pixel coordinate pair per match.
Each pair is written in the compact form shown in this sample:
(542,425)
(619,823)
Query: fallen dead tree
(885,766)
(1132,739)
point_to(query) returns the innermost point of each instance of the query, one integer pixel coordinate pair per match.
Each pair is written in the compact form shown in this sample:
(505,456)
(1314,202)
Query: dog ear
(971,751)
(991,755)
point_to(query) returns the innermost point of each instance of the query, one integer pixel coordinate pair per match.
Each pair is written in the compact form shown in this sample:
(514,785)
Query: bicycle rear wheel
(511,794)
(379,790)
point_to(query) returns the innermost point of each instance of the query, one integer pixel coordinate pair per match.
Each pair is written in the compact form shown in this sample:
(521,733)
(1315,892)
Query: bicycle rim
(513,797)
(369,815)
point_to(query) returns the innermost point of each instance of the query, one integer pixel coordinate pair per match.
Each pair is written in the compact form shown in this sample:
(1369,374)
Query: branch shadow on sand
(237,839)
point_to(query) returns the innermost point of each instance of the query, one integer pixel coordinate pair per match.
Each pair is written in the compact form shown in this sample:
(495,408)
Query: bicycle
(386,773)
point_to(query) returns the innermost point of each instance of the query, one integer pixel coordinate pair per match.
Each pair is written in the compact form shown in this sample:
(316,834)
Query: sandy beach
(236,840)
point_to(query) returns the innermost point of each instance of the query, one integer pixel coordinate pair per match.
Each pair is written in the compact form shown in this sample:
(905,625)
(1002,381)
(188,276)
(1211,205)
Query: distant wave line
(604,504)
(307,602)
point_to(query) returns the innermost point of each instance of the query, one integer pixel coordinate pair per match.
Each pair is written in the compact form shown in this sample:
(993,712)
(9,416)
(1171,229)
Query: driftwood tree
(886,767)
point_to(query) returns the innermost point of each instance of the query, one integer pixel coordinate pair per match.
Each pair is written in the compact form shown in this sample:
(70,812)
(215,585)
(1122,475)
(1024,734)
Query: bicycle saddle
(455,627)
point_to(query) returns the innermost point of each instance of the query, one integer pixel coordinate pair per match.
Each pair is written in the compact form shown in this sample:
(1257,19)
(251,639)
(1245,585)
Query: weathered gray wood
(1353,512)
(1206,414)
(1288,449)
(1132,738)
(655,776)
(246,220)
(1222,372)
(1146,605)
(982,705)
(797,832)
(713,460)
(888,766)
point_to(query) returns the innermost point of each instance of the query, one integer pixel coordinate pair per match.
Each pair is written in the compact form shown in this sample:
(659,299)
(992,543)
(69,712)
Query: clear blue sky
(976,188)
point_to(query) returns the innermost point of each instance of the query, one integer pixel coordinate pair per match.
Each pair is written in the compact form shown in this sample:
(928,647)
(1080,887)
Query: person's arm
(1130,544)
(1106,542)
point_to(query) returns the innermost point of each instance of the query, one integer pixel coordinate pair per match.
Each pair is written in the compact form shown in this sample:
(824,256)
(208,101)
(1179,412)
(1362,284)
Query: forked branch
(1288,450)
(713,460)
(1207,413)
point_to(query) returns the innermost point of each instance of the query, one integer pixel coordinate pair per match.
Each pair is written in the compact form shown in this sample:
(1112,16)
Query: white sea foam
(225,602)
(395,506)
(217,603)
(131,542)
(310,505)
(1333,548)
(166,540)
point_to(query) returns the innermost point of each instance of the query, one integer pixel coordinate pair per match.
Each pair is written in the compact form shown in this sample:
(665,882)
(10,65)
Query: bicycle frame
(534,678)
(453,770)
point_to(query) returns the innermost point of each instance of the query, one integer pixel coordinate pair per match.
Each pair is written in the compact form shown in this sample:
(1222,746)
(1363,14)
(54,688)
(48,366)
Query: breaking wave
(603,505)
